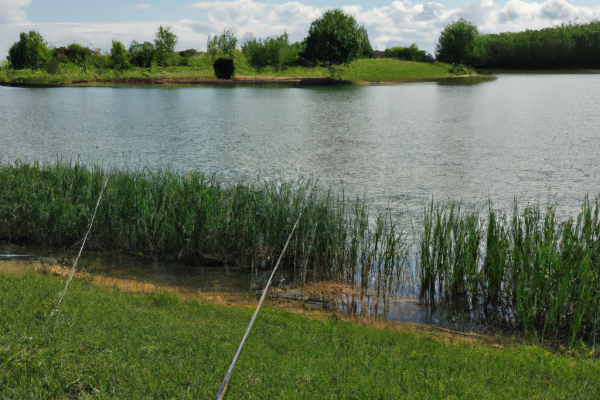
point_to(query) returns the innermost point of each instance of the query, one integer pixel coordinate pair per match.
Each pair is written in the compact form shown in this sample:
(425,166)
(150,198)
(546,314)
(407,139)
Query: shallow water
(533,137)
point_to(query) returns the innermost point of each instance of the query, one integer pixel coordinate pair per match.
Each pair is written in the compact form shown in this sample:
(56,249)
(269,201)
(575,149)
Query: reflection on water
(393,299)
(529,136)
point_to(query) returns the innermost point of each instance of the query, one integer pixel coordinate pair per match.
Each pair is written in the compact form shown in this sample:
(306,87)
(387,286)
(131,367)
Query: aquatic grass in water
(167,215)
(523,268)
(528,270)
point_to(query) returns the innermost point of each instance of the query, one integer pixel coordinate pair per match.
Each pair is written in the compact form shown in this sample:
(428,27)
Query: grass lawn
(114,344)
(371,70)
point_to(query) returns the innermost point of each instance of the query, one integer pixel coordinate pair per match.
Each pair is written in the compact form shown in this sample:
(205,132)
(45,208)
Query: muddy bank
(243,80)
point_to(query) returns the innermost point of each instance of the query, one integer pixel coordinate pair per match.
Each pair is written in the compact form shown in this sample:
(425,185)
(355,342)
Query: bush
(188,53)
(276,52)
(29,52)
(411,53)
(224,68)
(223,45)
(336,38)
(53,66)
(141,54)
(457,42)
(119,58)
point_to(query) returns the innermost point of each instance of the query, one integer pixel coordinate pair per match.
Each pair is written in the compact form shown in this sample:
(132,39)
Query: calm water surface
(535,137)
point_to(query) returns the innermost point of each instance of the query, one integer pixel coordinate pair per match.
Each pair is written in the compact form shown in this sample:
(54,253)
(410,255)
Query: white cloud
(400,23)
(12,11)
(140,7)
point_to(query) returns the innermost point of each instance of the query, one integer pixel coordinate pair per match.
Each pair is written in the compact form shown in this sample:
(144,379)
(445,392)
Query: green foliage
(165,40)
(527,270)
(30,52)
(5,65)
(141,54)
(164,46)
(221,46)
(457,42)
(188,53)
(119,58)
(335,39)
(411,53)
(113,344)
(276,52)
(565,46)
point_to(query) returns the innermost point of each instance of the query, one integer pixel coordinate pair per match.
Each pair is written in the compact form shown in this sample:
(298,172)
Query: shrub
(336,38)
(188,53)
(29,52)
(276,52)
(141,54)
(411,53)
(224,68)
(221,45)
(457,42)
(78,54)
(119,58)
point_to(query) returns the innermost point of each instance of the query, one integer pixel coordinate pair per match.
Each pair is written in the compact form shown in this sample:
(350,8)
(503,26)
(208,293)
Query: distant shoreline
(241,80)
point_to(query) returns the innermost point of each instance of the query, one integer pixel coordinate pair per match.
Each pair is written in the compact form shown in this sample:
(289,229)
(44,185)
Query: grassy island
(200,70)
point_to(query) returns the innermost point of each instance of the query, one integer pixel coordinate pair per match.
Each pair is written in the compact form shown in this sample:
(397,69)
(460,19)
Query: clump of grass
(528,270)
(168,215)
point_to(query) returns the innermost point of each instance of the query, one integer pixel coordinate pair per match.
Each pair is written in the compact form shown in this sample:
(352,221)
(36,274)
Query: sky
(96,23)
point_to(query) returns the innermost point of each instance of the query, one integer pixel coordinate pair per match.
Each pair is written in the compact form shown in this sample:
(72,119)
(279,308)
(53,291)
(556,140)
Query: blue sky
(389,23)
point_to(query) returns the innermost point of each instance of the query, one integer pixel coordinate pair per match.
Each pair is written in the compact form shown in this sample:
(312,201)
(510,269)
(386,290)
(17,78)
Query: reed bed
(523,268)
(192,217)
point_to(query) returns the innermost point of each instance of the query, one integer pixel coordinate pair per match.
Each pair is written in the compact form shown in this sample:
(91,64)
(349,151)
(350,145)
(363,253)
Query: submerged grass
(114,344)
(523,268)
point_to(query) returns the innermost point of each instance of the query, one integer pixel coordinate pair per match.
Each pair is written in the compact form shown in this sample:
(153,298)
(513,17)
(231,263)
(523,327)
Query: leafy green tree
(29,52)
(141,54)
(457,42)
(119,58)
(164,44)
(223,45)
(336,38)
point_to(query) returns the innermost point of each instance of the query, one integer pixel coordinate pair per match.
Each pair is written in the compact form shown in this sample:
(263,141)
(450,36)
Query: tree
(221,45)
(141,54)
(336,38)
(164,44)
(119,58)
(457,42)
(29,52)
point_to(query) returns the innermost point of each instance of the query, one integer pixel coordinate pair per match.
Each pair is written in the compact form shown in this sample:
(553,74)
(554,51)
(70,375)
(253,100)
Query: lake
(534,137)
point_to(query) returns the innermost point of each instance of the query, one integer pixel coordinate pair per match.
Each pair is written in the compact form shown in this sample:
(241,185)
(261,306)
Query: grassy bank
(523,268)
(112,344)
(367,70)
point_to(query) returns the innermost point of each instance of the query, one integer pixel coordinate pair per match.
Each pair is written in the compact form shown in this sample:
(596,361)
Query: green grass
(112,344)
(523,268)
(390,70)
(373,70)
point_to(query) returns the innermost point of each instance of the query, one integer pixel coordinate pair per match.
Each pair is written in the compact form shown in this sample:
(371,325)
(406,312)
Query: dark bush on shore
(224,68)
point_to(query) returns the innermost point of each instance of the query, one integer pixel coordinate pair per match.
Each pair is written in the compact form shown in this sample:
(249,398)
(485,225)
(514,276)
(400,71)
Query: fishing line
(74,268)
(223,387)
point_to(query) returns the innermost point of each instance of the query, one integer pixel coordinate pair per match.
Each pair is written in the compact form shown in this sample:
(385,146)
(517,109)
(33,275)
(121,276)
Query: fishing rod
(223,387)
(74,268)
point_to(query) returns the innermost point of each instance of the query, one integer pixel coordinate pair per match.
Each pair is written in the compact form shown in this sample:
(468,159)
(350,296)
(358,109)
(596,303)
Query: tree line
(570,45)
(333,39)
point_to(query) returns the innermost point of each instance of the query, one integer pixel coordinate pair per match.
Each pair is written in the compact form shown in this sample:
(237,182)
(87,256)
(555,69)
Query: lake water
(535,137)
